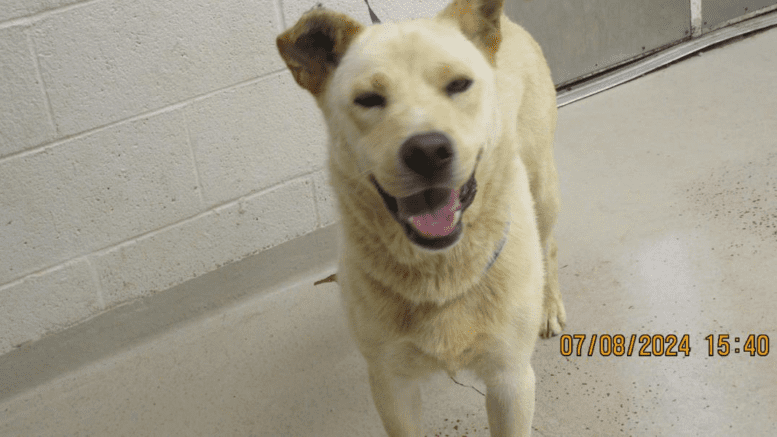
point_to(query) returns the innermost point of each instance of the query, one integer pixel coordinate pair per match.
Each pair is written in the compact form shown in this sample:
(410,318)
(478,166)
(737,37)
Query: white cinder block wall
(145,143)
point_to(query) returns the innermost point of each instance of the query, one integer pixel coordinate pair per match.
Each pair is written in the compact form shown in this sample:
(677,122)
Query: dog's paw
(554,318)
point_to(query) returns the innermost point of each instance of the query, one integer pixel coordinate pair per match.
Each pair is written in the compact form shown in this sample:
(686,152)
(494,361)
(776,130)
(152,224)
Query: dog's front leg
(398,401)
(510,403)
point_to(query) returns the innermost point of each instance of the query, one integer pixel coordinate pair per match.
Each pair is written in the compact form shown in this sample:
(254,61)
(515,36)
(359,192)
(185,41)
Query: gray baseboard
(310,257)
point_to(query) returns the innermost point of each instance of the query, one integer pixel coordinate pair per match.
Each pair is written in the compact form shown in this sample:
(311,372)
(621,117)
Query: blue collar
(499,246)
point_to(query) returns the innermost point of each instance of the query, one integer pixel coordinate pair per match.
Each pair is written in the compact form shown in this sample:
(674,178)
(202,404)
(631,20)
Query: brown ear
(313,47)
(479,21)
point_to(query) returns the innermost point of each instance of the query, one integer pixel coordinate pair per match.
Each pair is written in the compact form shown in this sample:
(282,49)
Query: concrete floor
(669,226)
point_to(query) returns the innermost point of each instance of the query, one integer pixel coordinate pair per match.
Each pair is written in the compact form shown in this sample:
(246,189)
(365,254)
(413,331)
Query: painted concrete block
(93,192)
(255,136)
(47,301)
(386,11)
(24,120)
(192,248)
(22,8)
(325,199)
(114,59)
(408,10)
(293,10)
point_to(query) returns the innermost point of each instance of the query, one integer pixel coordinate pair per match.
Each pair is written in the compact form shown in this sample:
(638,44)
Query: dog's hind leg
(545,192)
(398,401)
(510,402)
(555,315)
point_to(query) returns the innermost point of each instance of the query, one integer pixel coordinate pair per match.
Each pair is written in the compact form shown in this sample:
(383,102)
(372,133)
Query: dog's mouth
(431,218)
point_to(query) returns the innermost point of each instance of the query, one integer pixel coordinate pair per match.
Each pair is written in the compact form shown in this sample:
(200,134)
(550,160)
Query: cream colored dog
(440,154)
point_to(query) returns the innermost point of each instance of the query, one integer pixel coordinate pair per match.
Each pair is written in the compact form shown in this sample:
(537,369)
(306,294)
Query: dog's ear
(478,21)
(313,47)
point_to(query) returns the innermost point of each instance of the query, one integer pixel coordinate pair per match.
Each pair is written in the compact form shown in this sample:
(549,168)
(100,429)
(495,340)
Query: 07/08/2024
(658,345)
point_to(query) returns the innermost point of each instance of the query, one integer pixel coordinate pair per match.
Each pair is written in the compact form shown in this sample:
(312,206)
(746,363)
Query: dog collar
(499,246)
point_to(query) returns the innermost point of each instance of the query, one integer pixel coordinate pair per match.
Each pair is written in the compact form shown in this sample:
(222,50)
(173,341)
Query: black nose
(429,155)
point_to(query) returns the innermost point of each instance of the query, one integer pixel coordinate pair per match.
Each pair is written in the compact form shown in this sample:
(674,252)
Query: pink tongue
(441,222)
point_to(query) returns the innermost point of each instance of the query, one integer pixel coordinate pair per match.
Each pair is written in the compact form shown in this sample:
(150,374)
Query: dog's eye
(370,100)
(458,86)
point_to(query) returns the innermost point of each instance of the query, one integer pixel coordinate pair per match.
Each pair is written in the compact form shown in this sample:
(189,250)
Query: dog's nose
(429,155)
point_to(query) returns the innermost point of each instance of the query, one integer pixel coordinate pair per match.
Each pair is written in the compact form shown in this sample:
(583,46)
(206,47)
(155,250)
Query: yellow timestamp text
(659,345)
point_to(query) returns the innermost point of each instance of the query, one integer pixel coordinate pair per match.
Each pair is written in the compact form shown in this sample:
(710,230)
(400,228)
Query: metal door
(583,37)
(718,12)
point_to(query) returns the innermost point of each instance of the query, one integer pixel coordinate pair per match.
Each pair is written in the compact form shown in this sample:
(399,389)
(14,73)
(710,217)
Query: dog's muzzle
(434,229)
(431,217)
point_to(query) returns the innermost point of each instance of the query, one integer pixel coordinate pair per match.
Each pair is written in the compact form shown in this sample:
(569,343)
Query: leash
(373,17)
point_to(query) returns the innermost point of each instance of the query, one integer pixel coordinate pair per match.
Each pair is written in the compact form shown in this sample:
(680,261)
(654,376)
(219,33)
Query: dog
(441,160)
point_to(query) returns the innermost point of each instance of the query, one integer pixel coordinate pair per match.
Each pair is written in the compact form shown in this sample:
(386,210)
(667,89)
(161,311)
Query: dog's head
(410,106)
